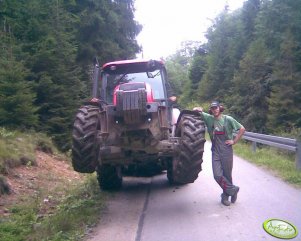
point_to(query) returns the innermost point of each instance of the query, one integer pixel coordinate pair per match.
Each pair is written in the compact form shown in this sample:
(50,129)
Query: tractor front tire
(84,144)
(186,166)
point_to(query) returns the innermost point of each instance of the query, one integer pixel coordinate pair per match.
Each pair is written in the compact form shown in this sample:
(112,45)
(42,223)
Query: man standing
(220,128)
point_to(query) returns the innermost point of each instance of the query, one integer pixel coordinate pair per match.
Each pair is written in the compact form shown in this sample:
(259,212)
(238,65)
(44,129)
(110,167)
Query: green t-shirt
(211,123)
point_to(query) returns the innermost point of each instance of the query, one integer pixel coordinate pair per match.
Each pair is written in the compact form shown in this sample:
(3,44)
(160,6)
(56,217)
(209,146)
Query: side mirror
(149,75)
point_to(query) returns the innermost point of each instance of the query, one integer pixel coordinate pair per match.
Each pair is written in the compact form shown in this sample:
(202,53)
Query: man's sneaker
(234,197)
(225,200)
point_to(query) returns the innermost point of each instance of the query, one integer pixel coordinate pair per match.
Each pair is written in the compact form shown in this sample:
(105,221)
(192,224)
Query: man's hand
(172,98)
(229,142)
(199,109)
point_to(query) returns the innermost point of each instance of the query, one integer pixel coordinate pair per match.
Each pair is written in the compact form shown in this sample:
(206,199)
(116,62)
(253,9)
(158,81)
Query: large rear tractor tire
(185,167)
(109,177)
(84,144)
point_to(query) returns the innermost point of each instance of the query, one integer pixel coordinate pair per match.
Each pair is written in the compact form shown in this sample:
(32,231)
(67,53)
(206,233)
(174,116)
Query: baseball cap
(214,104)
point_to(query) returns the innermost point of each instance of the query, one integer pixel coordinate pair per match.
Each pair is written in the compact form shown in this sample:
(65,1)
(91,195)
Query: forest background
(251,62)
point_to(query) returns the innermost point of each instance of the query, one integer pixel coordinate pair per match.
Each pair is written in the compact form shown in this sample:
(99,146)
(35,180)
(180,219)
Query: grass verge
(74,212)
(48,201)
(18,148)
(280,162)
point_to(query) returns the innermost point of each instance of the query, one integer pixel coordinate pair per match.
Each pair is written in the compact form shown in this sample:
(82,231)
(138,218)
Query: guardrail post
(298,154)
(254,146)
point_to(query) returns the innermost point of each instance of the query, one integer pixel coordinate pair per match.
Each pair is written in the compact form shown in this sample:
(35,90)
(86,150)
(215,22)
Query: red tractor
(130,122)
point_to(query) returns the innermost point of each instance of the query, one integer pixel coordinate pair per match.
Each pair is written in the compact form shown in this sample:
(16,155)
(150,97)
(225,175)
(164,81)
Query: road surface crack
(142,216)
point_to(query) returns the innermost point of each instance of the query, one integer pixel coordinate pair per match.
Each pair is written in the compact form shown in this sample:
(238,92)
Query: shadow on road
(135,185)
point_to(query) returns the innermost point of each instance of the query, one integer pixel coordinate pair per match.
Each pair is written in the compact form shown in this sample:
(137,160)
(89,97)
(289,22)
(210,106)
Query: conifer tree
(16,93)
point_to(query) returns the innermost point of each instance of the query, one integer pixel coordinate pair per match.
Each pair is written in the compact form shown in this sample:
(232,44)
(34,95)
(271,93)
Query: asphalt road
(148,209)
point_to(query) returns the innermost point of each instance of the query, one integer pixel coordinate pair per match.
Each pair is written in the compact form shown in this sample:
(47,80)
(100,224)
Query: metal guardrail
(276,141)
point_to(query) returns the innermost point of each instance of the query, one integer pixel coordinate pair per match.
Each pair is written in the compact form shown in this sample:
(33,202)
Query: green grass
(18,226)
(18,148)
(75,211)
(73,206)
(281,163)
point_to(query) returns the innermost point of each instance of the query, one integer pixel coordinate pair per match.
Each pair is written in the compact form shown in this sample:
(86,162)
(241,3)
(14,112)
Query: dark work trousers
(222,163)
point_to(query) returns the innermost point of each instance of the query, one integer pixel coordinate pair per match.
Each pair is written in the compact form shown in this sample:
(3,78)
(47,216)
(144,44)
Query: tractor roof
(132,66)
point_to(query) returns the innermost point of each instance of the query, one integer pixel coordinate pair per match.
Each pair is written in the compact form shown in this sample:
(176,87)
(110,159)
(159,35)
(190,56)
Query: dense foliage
(252,63)
(47,48)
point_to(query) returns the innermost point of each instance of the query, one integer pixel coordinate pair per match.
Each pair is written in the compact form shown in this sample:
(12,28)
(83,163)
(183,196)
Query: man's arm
(241,131)
(170,93)
(199,109)
(208,119)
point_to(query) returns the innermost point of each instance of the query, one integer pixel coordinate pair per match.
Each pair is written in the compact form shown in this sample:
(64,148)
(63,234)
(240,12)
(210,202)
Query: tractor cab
(129,76)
